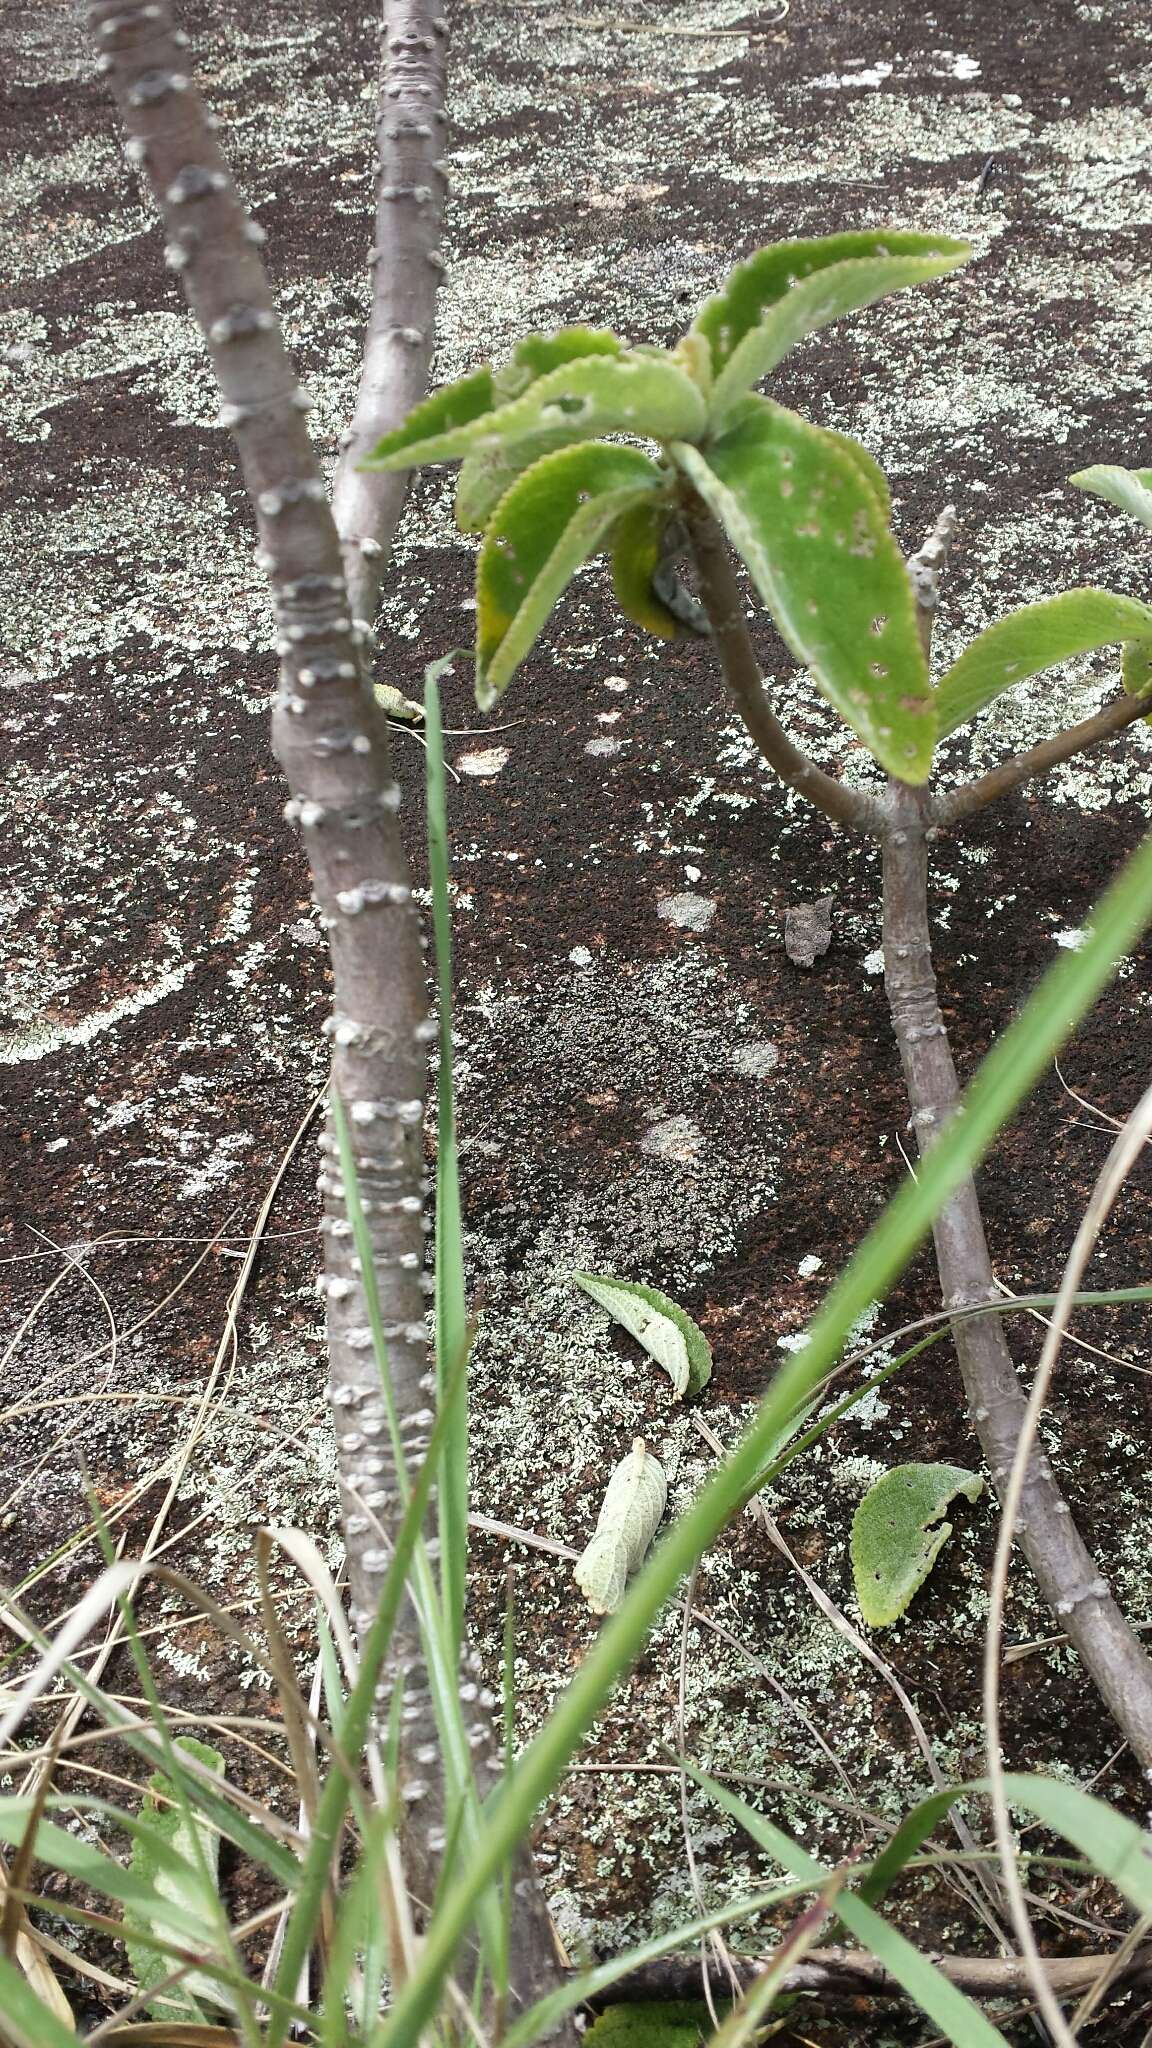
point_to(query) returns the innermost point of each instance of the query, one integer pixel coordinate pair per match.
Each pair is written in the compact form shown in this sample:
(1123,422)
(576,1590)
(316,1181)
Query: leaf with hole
(667,1333)
(486,474)
(790,289)
(559,513)
(1037,637)
(629,1517)
(192,1839)
(1131,489)
(813,533)
(649,396)
(897,1535)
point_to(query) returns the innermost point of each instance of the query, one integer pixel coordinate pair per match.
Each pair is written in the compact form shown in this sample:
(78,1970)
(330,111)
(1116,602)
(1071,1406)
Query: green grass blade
(451,1309)
(955,2015)
(27,2021)
(1004,1079)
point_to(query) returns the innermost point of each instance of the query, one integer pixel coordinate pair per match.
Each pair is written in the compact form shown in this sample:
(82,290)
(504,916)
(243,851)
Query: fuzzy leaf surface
(488,473)
(790,289)
(665,2023)
(170,1825)
(813,533)
(628,394)
(558,514)
(897,1534)
(448,411)
(633,1504)
(666,1331)
(637,552)
(1038,637)
(1131,489)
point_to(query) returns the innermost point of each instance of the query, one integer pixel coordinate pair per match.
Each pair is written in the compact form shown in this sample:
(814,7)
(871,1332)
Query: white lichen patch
(687,911)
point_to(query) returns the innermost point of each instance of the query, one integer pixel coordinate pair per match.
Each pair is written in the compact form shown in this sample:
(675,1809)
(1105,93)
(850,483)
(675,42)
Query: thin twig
(1077,1594)
(945,811)
(850,1973)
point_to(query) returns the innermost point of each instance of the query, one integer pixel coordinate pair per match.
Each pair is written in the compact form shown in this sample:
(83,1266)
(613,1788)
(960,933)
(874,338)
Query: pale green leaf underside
(558,514)
(816,542)
(633,1504)
(1130,489)
(182,1889)
(897,1535)
(643,395)
(667,1333)
(1029,641)
(791,289)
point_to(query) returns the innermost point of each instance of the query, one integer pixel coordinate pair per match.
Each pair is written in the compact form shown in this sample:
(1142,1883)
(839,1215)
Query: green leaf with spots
(648,396)
(668,2023)
(805,516)
(666,1331)
(637,555)
(790,289)
(1039,636)
(560,512)
(868,466)
(897,1535)
(1136,669)
(488,473)
(633,1504)
(1131,489)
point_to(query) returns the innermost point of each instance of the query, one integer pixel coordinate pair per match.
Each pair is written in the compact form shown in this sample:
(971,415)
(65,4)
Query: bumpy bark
(411,183)
(332,745)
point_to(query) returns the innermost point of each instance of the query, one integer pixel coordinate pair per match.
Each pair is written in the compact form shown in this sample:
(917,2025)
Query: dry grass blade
(1126,1150)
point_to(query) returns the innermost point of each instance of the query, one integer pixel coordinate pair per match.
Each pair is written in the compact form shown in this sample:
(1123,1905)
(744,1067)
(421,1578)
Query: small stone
(808,930)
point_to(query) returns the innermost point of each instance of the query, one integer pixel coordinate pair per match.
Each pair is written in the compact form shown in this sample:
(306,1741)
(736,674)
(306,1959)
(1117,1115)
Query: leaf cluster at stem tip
(808,510)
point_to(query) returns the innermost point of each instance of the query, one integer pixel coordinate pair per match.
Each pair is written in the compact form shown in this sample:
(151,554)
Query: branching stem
(1039,760)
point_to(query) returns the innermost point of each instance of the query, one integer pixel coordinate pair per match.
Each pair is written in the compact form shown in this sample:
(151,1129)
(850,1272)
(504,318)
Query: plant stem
(722,600)
(333,748)
(1000,781)
(852,1973)
(406,266)
(1066,1573)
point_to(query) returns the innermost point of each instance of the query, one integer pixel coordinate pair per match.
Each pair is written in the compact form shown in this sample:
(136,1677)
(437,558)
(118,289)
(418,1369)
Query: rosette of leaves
(807,509)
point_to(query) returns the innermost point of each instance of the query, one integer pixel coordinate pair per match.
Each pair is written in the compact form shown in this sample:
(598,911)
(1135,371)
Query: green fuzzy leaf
(629,1517)
(183,1888)
(637,552)
(558,514)
(488,473)
(667,1333)
(448,411)
(897,1535)
(792,288)
(868,466)
(536,355)
(628,394)
(673,2023)
(1035,638)
(812,531)
(1131,489)
(1136,668)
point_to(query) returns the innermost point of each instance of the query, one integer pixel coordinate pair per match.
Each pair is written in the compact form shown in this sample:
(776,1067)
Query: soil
(649,1084)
